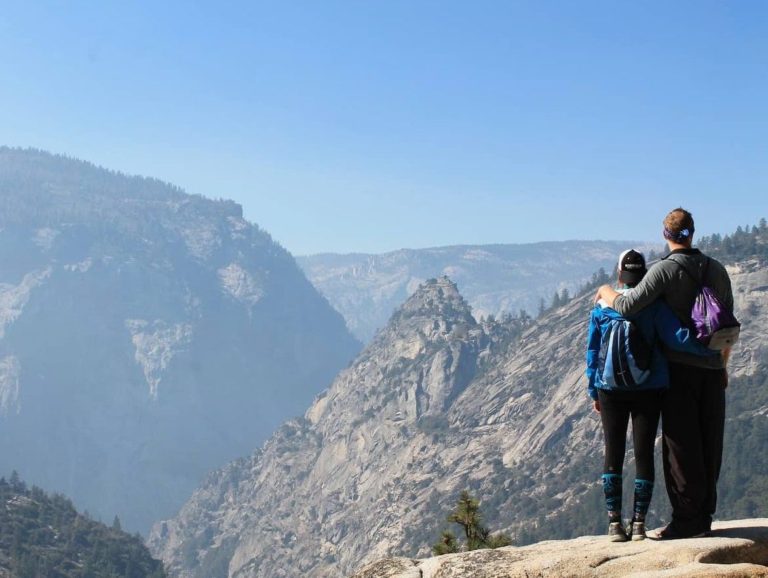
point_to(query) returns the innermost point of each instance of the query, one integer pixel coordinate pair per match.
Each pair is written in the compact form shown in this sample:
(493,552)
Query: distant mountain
(43,535)
(495,279)
(439,403)
(146,335)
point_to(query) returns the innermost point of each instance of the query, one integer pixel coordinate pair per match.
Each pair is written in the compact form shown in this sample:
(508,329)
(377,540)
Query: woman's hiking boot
(638,530)
(616,532)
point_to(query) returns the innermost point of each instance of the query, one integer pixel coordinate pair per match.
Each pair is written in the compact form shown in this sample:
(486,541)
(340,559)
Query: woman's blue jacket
(658,326)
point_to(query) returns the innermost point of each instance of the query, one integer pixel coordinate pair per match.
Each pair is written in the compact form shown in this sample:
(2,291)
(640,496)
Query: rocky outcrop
(436,404)
(337,461)
(494,279)
(147,336)
(737,548)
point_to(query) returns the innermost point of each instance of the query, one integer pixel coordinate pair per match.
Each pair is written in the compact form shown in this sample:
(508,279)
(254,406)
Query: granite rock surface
(737,548)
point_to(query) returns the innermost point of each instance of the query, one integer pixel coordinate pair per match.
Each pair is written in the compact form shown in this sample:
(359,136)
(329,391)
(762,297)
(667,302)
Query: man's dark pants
(693,421)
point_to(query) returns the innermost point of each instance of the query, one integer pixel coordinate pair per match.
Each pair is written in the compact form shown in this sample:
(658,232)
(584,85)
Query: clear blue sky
(374,125)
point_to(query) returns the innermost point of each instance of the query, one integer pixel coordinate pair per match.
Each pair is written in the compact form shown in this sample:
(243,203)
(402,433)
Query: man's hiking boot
(616,532)
(638,531)
(673,533)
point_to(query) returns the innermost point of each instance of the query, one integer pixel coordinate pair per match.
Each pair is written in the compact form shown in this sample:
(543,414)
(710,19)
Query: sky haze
(369,126)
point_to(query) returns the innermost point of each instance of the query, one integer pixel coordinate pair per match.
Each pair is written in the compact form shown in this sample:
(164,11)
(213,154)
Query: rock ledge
(736,548)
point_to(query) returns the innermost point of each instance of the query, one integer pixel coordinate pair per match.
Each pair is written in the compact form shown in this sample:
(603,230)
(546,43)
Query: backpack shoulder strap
(706,270)
(699,282)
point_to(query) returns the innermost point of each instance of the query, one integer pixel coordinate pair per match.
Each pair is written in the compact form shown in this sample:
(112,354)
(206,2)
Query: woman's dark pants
(616,408)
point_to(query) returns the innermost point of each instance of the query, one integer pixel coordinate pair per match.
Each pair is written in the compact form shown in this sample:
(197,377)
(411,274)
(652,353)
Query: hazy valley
(438,403)
(146,336)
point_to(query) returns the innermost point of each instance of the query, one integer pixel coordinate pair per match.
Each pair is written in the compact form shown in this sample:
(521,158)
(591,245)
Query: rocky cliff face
(146,336)
(436,404)
(495,279)
(336,460)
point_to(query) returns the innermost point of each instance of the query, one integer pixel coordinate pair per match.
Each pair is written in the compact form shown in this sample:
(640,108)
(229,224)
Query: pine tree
(498,540)
(16,483)
(467,515)
(602,277)
(447,544)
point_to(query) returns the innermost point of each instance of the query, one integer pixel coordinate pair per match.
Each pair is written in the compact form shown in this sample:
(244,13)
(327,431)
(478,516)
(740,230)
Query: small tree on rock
(447,544)
(467,515)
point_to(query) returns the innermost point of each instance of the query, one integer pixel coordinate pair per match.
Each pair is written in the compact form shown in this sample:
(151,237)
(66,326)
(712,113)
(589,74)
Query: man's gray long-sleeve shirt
(667,280)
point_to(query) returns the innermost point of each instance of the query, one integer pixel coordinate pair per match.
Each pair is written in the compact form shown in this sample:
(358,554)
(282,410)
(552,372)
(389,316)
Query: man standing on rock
(693,411)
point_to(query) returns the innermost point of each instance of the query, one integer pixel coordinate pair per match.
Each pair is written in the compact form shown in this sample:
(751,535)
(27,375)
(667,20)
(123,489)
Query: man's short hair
(678,226)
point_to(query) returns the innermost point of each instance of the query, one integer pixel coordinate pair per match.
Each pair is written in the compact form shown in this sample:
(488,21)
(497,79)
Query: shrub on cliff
(468,516)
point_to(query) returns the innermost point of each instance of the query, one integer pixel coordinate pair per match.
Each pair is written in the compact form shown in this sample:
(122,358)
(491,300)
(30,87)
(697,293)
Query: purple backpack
(714,325)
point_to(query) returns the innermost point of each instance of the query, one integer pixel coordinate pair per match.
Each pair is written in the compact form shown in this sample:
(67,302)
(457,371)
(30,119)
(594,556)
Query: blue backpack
(625,355)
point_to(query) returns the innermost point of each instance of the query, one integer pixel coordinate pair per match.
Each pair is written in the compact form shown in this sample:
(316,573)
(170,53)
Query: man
(693,411)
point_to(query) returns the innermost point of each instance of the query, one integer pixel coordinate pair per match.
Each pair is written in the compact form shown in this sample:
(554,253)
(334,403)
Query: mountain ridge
(495,279)
(146,335)
(42,535)
(519,434)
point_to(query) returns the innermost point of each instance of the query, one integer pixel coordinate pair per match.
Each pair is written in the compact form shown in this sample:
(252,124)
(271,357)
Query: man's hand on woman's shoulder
(607,293)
